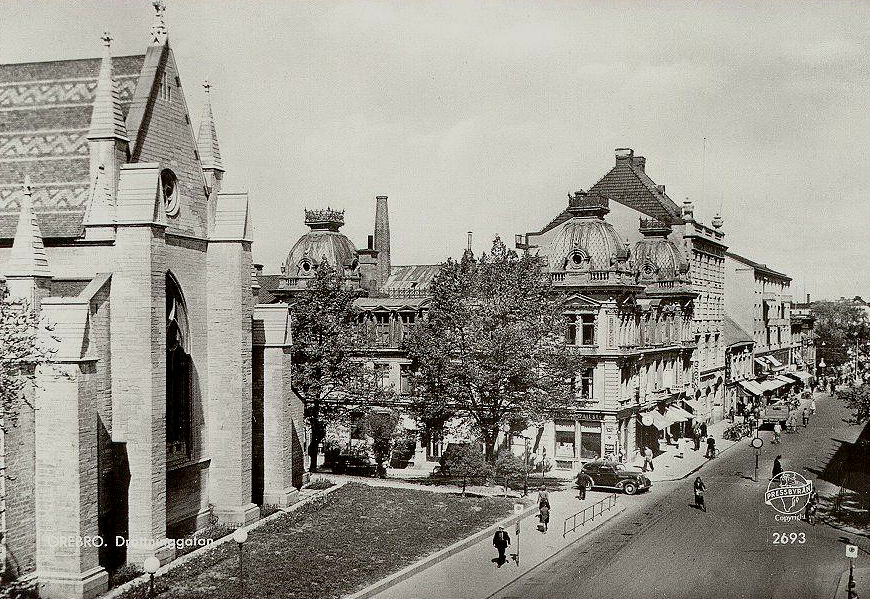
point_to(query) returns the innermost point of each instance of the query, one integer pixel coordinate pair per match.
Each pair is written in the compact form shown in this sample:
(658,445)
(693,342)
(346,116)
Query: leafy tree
(381,426)
(857,398)
(839,325)
(509,467)
(327,371)
(20,353)
(492,346)
(464,461)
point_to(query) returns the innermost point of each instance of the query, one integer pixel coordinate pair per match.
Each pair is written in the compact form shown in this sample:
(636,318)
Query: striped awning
(654,418)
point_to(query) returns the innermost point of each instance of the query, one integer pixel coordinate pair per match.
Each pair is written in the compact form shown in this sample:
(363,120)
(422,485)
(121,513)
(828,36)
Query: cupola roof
(660,263)
(323,243)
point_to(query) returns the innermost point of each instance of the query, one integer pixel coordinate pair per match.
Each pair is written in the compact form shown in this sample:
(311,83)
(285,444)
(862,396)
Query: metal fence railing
(588,514)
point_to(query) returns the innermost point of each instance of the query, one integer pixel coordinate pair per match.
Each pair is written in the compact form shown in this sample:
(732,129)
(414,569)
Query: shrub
(464,461)
(18,589)
(123,574)
(319,483)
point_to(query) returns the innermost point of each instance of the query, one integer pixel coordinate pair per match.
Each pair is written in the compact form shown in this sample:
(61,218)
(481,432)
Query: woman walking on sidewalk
(812,407)
(699,494)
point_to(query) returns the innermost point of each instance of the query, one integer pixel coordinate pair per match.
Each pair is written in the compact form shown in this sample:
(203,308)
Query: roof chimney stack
(688,210)
(624,154)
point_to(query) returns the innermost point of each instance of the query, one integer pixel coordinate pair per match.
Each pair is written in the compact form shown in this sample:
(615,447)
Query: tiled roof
(405,278)
(628,184)
(268,283)
(757,265)
(733,334)
(45,114)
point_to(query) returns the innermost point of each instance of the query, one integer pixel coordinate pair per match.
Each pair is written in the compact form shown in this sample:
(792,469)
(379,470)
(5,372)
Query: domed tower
(323,244)
(661,266)
(585,249)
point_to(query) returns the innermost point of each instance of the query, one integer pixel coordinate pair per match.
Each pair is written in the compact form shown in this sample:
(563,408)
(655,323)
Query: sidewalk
(678,461)
(862,583)
(471,573)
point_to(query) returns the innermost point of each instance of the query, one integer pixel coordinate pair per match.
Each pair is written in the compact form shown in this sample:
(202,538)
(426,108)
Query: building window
(565,444)
(169,187)
(382,328)
(382,374)
(406,384)
(571,333)
(586,378)
(588,325)
(590,440)
(165,88)
(178,384)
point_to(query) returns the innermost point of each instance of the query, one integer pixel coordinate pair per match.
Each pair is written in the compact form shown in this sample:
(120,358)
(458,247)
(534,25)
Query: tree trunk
(463,486)
(489,445)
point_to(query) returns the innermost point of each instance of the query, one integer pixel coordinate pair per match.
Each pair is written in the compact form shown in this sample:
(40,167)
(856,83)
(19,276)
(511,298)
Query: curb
(144,578)
(429,560)
(696,468)
(519,575)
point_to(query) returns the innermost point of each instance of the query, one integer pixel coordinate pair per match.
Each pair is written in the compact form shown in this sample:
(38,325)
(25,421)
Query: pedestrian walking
(544,517)
(582,481)
(777,432)
(791,423)
(777,466)
(813,407)
(699,494)
(543,497)
(731,414)
(696,437)
(703,429)
(647,459)
(833,387)
(500,541)
(805,417)
(711,447)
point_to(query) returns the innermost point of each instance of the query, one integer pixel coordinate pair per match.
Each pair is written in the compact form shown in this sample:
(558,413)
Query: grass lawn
(360,535)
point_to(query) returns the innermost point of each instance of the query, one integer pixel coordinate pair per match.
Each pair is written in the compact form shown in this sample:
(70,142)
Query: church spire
(159,33)
(27,258)
(206,141)
(107,120)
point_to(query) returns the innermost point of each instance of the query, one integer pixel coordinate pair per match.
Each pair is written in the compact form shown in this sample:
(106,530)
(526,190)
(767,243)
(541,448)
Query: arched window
(177,373)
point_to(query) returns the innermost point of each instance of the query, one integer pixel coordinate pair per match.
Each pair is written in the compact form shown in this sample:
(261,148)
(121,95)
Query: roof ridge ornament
(159,33)
(27,257)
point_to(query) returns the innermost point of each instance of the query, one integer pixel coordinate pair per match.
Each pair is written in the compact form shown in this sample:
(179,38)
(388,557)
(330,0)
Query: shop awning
(771,384)
(804,377)
(762,362)
(785,379)
(752,387)
(773,361)
(674,415)
(654,418)
(693,405)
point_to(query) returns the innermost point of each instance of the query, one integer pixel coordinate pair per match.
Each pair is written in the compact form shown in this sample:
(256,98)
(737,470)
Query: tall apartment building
(634,194)
(758,300)
(706,249)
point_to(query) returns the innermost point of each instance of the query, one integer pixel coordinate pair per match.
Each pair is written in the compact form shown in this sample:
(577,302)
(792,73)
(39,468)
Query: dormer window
(169,187)
(305,266)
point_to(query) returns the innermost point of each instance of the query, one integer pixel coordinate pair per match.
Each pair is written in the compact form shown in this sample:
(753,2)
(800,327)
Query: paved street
(663,547)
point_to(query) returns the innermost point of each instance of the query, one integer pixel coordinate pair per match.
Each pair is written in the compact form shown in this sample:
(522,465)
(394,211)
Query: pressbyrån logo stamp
(788,493)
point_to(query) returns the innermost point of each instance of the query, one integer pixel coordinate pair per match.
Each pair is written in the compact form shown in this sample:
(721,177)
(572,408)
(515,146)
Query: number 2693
(789,538)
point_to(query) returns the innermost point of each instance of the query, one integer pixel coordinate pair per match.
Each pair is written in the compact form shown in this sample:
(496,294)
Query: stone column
(229,406)
(280,432)
(66,485)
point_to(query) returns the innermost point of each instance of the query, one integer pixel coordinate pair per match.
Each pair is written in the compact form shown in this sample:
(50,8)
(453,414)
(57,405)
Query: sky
(482,115)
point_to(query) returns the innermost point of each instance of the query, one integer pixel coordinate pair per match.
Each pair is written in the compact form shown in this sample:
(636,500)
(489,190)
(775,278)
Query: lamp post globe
(151,565)
(240,535)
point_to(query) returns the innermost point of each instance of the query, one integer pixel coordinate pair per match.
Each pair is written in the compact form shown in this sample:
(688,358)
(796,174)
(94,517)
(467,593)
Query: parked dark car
(355,464)
(613,475)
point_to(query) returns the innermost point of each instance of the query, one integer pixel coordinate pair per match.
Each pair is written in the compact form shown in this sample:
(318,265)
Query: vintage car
(612,475)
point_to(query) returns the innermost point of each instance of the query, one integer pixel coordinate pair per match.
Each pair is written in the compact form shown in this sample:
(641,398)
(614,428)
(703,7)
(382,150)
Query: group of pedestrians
(501,540)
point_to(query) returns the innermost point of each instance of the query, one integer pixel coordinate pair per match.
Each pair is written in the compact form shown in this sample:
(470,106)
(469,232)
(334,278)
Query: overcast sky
(482,116)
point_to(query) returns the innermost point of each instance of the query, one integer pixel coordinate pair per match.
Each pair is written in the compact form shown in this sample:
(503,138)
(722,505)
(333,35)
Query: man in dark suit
(501,540)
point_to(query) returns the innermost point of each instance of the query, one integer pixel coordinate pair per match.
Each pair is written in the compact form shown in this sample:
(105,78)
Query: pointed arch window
(178,372)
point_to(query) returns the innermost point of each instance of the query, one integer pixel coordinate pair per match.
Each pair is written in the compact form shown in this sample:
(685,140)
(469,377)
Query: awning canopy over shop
(773,361)
(785,379)
(694,405)
(654,418)
(675,414)
(752,387)
(762,362)
(771,384)
(804,377)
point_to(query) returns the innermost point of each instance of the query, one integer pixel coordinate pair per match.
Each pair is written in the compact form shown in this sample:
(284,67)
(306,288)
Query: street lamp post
(543,462)
(151,565)
(525,470)
(240,536)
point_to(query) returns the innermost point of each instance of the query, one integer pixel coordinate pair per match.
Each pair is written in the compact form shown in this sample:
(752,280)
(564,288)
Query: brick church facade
(167,403)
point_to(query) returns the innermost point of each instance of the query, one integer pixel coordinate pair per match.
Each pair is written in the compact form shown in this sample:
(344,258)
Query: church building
(166,403)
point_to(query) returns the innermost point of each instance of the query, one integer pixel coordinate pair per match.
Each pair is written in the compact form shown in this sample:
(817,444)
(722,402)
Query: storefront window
(590,440)
(565,444)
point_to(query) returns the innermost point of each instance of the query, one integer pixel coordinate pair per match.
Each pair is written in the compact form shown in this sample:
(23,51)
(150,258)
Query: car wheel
(589,483)
(629,488)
